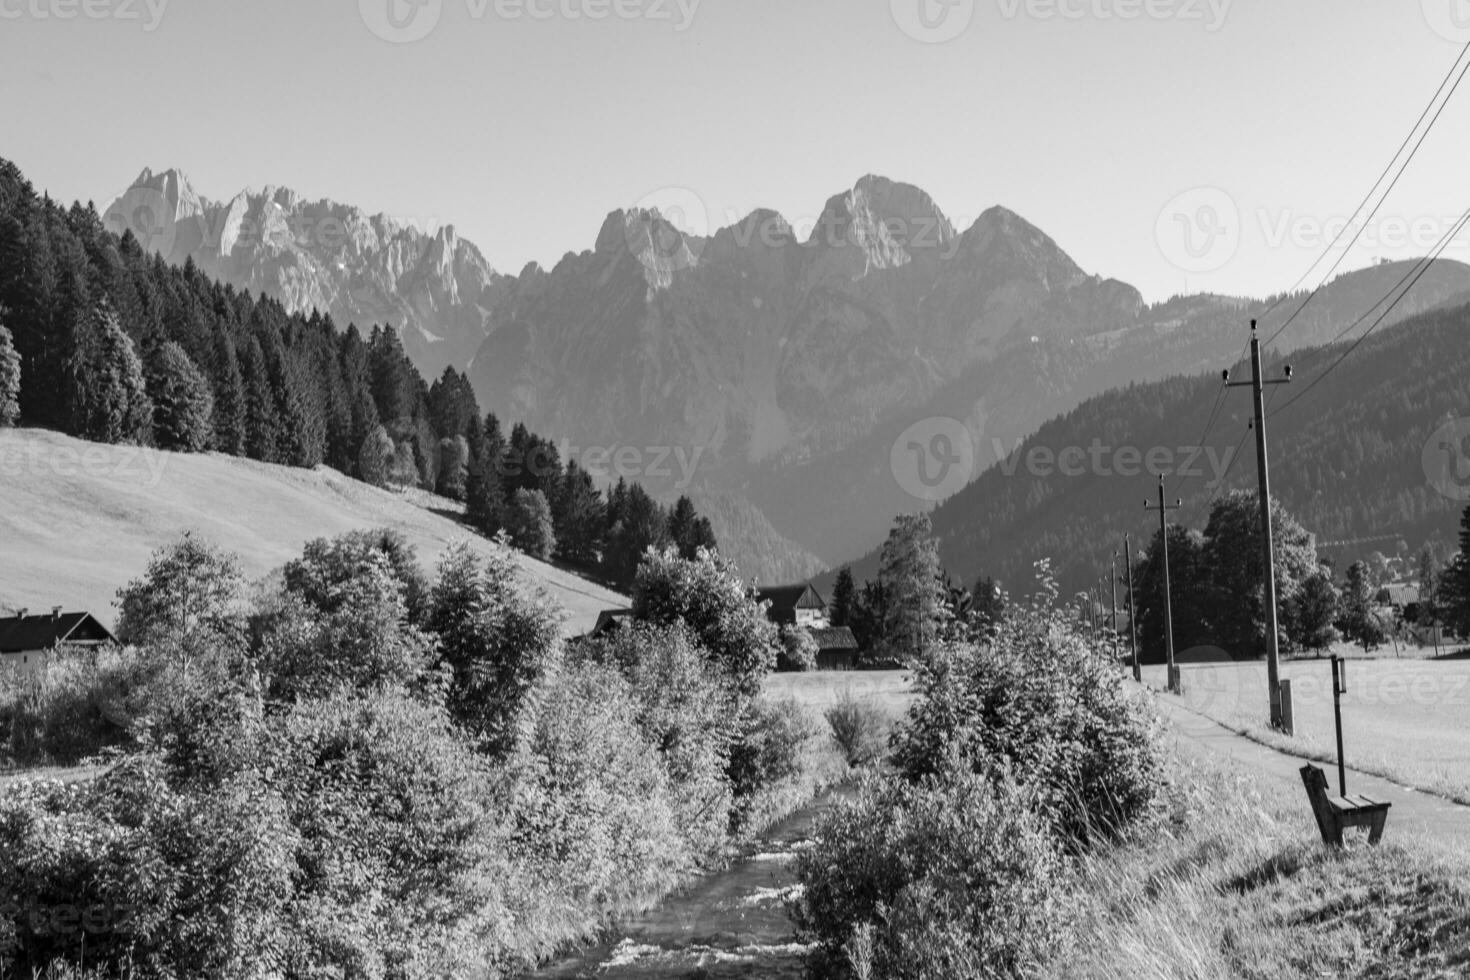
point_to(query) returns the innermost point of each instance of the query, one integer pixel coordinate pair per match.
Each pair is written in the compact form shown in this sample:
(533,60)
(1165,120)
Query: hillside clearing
(78,520)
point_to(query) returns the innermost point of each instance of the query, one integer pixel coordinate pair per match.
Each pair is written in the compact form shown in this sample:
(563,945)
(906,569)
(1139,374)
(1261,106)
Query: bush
(1040,701)
(76,707)
(592,800)
(684,711)
(798,650)
(949,876)
(768,750)
(859,729)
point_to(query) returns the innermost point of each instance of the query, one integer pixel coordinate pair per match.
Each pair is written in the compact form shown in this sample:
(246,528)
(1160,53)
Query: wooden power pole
(1113,582)
(1263,474)
(1132,613)
(1174,685)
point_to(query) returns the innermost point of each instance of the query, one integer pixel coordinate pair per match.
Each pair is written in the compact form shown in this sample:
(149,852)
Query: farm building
(837,648)
(794,605)
(610,621)
(28,642)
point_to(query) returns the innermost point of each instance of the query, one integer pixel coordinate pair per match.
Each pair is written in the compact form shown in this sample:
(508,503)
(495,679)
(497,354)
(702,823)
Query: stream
(729,923)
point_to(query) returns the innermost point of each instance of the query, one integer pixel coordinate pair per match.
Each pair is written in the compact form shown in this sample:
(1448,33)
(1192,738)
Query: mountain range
(785,365)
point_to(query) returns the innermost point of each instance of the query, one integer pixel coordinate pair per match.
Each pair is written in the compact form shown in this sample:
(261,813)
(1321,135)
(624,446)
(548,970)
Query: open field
(889,690)
(79,520)
(1404,719)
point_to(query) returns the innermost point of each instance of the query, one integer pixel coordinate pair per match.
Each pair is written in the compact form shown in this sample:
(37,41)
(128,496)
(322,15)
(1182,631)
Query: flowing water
(729,923)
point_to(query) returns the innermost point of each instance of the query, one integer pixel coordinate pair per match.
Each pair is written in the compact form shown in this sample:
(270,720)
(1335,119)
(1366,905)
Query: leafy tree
(1190,594)
(9,379)
(106,393)
(188,601)
(709,597)
(1428,572)
(1360,622)
(840,608)
(1316,610)
(183,405)
(1233,556)
(376,461)
(911,575)
(326,565)
(529,523)
(498,638)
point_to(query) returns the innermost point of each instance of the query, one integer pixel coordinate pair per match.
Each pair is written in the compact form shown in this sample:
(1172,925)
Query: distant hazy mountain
(1355,460)
(436,288)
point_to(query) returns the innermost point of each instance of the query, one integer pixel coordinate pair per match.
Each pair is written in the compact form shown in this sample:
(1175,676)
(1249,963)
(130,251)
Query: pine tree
(260,405)
(484,493)
(580,518)
(106,395)
(9,379)
(843,592)
(229,397)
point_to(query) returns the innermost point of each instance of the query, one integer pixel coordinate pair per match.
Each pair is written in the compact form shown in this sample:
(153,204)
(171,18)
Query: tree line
(102,340)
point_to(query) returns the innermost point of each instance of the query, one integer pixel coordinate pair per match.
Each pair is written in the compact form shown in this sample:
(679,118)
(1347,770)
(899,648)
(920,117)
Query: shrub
(768,750)
(949,876)
(1039,700)
(798,650)
(592,802)
(75,708)
(684,711)
(858,727)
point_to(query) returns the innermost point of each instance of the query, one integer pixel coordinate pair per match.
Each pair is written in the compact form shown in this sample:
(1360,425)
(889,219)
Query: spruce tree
(260,405)
(843,592)
(106,395)
(229,397)
(1454,599)
(183,406)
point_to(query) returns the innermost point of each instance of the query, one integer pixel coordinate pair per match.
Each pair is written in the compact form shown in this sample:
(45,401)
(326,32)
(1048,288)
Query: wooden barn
(27,642)
(794,605)
(837,648)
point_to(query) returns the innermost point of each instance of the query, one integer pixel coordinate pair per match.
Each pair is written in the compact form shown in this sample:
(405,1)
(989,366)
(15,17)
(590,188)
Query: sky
(1178,145)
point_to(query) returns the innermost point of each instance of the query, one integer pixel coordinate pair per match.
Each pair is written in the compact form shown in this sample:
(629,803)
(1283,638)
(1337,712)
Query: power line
(1372,190)
(1424,266)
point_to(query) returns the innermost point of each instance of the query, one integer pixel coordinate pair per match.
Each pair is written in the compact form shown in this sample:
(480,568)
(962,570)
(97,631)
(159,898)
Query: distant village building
(802,607)
(27,643)
(610,622)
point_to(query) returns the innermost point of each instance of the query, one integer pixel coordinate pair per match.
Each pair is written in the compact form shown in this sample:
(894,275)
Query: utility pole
(1263,474)
(1132,613)
(1113,583)
(1174,685)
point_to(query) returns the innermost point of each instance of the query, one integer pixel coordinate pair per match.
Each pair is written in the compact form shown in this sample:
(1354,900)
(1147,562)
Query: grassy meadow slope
(80,519)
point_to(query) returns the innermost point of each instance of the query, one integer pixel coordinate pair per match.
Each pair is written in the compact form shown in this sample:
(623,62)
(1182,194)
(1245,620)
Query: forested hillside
(1347,459)
(116,346)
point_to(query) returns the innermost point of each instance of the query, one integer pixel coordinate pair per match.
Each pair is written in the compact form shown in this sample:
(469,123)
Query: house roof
(789,597)
(22,633)
(1401,593)
(834,638)
(609,620)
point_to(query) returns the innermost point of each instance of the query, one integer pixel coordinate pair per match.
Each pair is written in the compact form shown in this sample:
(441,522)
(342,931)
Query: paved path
(1414,811)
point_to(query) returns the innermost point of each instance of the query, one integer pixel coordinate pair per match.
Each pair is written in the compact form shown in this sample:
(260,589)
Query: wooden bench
(1333,813)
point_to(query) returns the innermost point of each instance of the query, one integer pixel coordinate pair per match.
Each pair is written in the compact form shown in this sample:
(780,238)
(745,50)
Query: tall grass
(1234,882)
